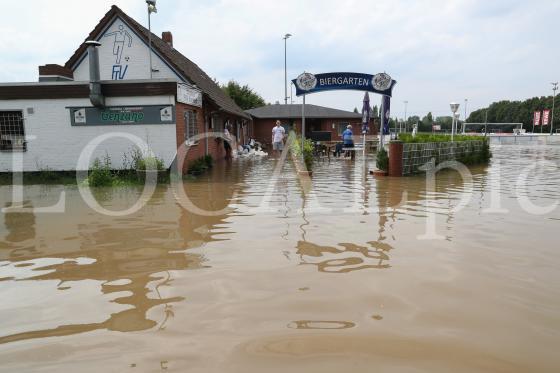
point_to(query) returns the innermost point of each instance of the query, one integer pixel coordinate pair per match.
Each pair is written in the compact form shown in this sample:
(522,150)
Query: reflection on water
(327,325)
(131,258)
(350,258)
(165,289)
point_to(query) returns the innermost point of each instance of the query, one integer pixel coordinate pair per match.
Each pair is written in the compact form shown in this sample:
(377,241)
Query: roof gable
(180,64)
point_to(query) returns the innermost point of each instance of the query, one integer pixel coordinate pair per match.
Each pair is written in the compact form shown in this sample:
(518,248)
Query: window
(217,124)
(191,127)
(12,134)
(342,127)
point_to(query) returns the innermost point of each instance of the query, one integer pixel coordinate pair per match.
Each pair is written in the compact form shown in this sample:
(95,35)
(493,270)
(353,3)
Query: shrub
(308,147)
(428,137)
(199,165)
(209,160)
(382,160)
(100,173)
(150,163)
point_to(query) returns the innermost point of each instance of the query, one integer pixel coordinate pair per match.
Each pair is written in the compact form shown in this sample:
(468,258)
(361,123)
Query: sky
(437,51)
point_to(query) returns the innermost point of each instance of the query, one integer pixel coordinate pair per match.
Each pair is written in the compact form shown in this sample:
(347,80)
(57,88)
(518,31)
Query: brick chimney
(167,37)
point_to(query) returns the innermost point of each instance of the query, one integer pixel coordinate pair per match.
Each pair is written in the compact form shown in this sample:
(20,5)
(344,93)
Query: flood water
(340,273)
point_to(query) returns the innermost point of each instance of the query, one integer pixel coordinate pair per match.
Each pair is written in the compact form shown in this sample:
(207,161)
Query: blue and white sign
(308,83)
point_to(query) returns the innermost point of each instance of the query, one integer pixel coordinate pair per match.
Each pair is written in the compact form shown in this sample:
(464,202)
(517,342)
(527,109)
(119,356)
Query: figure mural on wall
(120,38)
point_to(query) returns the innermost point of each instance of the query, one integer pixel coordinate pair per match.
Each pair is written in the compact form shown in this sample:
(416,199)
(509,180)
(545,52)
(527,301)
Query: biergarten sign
(122,115)
(308,83)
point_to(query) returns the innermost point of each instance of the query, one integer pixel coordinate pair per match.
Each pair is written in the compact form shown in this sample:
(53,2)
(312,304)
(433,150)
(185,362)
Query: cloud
(438,51)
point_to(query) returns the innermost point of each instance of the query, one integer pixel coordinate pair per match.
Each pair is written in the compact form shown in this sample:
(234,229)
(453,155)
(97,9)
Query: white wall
(57,144)
(135,59)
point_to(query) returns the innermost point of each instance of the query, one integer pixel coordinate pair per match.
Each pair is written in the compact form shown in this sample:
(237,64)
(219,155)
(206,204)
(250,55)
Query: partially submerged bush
(382,160)
(200,165)
(429,137)
(295,148)
(100,173)
(150,163)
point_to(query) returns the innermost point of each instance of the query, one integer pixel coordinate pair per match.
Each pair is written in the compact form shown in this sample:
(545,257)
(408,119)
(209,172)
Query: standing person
(348,140)
(278,134)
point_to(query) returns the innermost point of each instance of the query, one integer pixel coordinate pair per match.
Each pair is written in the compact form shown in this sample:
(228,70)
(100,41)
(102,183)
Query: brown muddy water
(327,276)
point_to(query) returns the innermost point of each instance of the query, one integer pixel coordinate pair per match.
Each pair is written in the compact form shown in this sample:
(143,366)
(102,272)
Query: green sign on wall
(122,115)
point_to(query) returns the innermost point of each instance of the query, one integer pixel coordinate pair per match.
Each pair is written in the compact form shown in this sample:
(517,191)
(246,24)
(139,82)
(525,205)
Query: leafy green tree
(426,124)
(243,96)
(516,112)
(356,110)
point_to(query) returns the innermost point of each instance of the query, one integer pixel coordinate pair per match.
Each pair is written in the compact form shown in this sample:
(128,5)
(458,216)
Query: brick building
(320,121)
(48,124)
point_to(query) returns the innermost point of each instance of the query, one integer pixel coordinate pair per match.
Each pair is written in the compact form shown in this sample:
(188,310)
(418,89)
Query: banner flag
(537,118)
(545,117)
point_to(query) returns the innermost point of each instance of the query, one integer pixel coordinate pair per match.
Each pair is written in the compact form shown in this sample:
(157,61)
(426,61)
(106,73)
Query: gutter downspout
(95,96)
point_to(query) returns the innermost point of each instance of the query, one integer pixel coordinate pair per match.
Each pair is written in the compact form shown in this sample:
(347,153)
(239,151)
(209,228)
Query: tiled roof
(190,71)
(279,111)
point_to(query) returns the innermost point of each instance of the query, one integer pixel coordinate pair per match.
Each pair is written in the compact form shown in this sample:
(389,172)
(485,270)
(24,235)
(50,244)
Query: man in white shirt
(278,134)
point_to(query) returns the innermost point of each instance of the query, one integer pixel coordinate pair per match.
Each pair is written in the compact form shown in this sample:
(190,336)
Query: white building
(49,124)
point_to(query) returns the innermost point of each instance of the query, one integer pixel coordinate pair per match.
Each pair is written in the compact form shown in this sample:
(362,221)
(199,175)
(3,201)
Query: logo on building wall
(120,42)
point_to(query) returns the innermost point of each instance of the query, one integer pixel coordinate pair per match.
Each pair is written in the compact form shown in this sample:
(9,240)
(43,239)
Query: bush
(150,163)
(199,165)
(209,160)
(100,173)
(428,137)
(308,147)
(382,160)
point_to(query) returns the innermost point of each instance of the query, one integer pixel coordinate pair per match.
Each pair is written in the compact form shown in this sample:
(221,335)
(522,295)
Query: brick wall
(214,146)
(263,127)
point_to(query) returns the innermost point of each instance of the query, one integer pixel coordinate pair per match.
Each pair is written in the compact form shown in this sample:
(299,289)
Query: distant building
(320,122)
(50,122)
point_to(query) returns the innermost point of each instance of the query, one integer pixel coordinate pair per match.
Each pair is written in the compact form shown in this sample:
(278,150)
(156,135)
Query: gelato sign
(379,83)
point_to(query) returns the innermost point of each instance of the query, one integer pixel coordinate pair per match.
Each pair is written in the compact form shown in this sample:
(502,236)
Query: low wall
(412,156)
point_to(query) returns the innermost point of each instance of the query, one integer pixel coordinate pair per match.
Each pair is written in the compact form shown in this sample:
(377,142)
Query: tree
(375,111)
(426,124)
(243,96)
(515,112)
(356,110)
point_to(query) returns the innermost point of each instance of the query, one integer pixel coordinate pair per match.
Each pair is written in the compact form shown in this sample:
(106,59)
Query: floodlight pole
(150,42)
(151,9)
(286,68)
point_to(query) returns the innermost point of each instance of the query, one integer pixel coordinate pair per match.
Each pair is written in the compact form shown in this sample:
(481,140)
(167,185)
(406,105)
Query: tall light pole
(554,88)
(286,68)
(405,121)
(465,119)
(454,107)
(151,9)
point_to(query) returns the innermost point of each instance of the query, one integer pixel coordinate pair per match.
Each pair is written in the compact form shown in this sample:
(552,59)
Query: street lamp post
(554,88)
(151,9)
(454,107)
(286,68)
(405,121)
(465,119)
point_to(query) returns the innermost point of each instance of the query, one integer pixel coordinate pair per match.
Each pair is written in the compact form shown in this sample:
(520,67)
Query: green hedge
(428,137)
